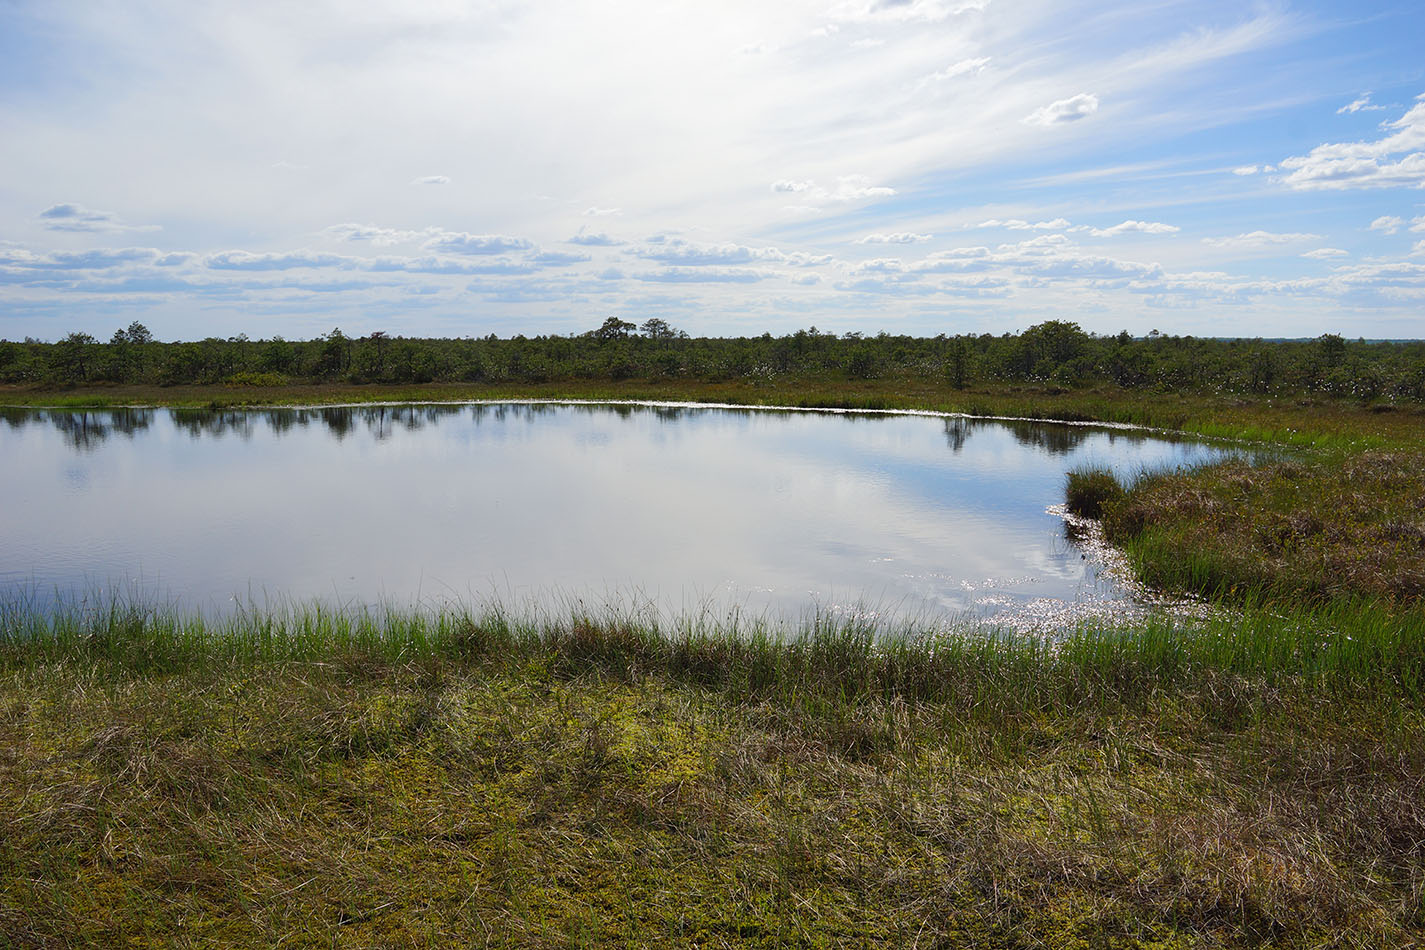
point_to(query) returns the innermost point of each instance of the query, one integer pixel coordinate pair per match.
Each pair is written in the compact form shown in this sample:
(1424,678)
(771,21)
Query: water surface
(680,509)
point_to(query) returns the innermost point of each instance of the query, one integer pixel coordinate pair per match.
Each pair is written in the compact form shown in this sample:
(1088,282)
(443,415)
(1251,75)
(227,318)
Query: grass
(390,778)
(1314,529)
(1089,491)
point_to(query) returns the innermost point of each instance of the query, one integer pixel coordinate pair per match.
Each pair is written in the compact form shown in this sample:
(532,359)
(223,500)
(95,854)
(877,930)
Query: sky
(443,168)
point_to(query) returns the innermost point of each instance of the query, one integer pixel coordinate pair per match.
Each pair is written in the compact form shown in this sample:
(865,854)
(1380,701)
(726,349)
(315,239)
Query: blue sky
(431,167)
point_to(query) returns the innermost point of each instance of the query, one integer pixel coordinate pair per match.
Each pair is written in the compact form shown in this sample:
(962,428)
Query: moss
(388,803)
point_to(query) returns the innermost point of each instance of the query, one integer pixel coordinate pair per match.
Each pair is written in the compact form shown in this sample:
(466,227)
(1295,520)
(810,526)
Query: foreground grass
(398,779)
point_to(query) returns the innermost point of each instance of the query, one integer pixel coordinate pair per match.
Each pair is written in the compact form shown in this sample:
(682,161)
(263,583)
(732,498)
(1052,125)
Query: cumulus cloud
(98,259)
(1388,223)
(431,180)
(431,264)
(1396,160)
(881,265)
(1417,224)
(75,217)
(677,251)
(703,275)
(1326,253)
(1064,110)
(1258,239)
(1015,224)
(1363,104)
(1142,227)
(248,261)
(897,237)
(559,258)
(594,239)
(378,236)
(459,242)
(847,188)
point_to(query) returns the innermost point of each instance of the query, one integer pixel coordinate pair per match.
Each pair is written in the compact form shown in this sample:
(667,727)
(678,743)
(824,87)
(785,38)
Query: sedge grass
(1354,644)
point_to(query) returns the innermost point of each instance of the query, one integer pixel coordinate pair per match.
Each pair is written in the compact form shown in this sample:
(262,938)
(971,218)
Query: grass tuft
(1090,490)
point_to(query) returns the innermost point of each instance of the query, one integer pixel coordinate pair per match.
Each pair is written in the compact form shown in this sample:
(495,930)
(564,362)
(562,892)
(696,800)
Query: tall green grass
(826,658)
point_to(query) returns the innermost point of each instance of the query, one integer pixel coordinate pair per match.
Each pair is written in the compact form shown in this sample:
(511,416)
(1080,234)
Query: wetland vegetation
(400,777)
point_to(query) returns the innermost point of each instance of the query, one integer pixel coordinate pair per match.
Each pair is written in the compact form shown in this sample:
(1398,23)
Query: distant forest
(1055,353)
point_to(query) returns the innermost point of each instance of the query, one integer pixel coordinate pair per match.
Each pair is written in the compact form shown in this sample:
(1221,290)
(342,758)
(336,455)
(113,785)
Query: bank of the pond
(1305,421)
(1309,529)
(398,778)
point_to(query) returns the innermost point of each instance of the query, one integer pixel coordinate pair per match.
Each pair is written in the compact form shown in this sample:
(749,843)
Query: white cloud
(98,259)
(1125,227)
(1015,224)
(1395,161)
(880,265)
(677,251)
(248,261)
(1259,239)
(703,275)
(596,212)
(559,258)
(1363,104)
(897,237)
(378,236)
(1388,223)
(847,188)
(791,186)
(450,266)
(1064,110)
(962,68)
(1326,253)
(1417,224)
(594,239)
(431,180)
(76,217)
(458,242)
(1252,169)
(903,11)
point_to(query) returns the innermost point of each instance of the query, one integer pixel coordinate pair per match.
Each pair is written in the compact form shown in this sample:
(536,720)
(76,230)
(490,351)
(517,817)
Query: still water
(677,509)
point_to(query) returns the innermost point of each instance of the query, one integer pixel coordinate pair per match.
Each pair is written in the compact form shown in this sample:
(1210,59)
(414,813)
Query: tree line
(1055,353)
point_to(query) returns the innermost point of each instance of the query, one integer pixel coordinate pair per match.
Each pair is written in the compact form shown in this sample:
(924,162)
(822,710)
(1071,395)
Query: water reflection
(84,430)
(683,507)
(1054,438)
(88,427)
